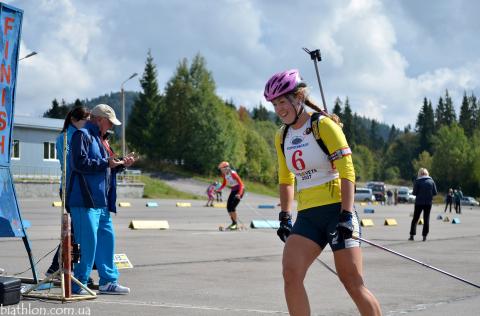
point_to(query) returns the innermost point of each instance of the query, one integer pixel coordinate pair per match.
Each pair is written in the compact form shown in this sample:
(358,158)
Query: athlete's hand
(345,224)
(238,197)
(285,225)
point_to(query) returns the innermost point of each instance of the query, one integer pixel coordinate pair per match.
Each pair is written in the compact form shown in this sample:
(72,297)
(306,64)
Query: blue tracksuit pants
(94,232)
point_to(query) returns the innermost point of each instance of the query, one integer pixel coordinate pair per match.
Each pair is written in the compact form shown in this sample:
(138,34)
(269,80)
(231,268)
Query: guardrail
(54,174)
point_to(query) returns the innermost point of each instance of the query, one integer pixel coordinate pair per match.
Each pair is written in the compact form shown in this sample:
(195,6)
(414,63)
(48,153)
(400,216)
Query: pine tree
(425,126)
(78,103)
(440,119)
(450,116)
(337,108)
(466,116)
(348,123)
(57,111)
(141,130)
(475,110)
(260,113)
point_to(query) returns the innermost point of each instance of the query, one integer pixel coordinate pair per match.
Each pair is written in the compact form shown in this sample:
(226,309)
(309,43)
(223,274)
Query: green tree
(260,113)
(424,160)
(348,123)
(401,153)
(475,109)
(450,115)
(57,111)
(196,128)
(449,164)
(141,129)
(337,108)
(440,118)
(466,116)
(425,126)
(364,163)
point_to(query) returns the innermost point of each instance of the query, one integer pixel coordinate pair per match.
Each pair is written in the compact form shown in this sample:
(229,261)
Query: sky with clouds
(386,56)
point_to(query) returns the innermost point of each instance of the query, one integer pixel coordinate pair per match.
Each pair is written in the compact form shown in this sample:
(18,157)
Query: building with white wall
(33,151)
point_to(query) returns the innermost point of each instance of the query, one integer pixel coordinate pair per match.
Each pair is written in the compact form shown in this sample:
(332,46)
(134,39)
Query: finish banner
(10,29)
(11,24)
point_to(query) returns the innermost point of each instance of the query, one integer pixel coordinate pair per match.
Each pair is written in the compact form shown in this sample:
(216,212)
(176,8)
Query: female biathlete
(232,180)
(325,185)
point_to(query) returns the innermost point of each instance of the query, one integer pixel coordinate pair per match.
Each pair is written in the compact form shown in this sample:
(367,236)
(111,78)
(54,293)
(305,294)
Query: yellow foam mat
(366,222)
(220,205)
(57,204)
(390,222)
(124,204)
(184,204)
(420,221)
(138,224)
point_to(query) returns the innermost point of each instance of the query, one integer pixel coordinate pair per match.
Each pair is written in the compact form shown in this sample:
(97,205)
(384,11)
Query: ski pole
(416,261)
(315,56)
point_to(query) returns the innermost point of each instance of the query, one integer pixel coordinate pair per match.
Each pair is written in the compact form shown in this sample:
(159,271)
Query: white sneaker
(113,288)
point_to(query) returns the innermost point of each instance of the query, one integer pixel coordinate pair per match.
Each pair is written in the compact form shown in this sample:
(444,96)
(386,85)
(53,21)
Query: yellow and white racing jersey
(318,178)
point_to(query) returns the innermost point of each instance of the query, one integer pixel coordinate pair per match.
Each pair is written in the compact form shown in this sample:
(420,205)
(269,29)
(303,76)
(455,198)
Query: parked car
(378,189)
(468,200)
(411,197)
(364,195)
(403,194)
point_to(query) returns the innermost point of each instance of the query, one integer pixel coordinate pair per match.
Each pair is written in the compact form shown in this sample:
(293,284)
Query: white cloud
(384,57)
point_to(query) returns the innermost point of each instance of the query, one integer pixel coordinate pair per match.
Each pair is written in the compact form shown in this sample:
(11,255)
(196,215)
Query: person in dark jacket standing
(424,189)
(449,200)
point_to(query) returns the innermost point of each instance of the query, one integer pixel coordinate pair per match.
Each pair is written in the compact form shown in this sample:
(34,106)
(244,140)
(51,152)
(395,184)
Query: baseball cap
(106,111)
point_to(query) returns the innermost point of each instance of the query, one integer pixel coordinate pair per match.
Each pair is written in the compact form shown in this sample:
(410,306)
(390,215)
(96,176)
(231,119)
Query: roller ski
(232,227)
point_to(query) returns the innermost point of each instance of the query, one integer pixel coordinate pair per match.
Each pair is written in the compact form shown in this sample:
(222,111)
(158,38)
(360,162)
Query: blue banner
(10,29)
(11,24)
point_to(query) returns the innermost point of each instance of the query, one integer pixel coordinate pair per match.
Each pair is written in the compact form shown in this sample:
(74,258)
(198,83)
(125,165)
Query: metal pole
(123,122)
(123,113)
(316,56)
(417,261)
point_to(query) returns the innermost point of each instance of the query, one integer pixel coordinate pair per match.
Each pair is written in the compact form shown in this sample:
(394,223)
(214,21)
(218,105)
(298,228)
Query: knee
(292,275)
(353,284)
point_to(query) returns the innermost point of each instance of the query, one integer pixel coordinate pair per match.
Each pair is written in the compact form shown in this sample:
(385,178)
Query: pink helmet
(282,83)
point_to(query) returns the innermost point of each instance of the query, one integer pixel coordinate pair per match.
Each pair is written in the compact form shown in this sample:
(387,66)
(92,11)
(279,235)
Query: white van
(364,195)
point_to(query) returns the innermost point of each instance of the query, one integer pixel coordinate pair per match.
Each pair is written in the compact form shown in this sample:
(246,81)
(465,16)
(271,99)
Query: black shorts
(319,224)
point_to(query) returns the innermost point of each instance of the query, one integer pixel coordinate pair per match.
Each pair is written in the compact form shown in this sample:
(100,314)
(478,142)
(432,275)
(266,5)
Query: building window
(49,152)
(16,149)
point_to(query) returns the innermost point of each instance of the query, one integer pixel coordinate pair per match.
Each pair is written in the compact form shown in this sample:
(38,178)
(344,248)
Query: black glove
(285,225)
(345,224)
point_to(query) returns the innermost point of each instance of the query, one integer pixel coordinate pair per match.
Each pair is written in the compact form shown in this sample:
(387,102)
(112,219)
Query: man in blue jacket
(424,189)
(91,196)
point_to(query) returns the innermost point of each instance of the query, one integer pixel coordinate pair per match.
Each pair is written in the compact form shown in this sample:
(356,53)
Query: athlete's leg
(348,263)
(298,255)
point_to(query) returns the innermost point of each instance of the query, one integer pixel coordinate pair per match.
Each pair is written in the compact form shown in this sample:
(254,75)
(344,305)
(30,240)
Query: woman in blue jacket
(74,120)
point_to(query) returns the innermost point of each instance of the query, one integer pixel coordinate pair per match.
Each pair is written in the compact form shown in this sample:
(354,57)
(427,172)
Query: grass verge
(155,188)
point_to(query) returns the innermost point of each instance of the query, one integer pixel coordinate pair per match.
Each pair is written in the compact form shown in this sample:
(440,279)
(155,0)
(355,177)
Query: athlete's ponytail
(308,102)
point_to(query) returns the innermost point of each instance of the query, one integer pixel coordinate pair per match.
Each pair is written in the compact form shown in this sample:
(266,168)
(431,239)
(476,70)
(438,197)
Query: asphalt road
(194,269)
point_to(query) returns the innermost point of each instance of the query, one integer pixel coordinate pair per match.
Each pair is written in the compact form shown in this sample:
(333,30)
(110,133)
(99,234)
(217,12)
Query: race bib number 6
(297,161)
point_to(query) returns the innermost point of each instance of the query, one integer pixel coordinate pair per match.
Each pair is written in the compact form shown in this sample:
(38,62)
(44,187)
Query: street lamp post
(123,113)
(28,55)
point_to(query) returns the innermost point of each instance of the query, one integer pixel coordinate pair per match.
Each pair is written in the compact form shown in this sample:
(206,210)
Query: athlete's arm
(286,197)
(348,189)
(286,179)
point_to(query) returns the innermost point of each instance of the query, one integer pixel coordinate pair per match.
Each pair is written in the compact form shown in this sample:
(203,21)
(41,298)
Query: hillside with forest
(191,127)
